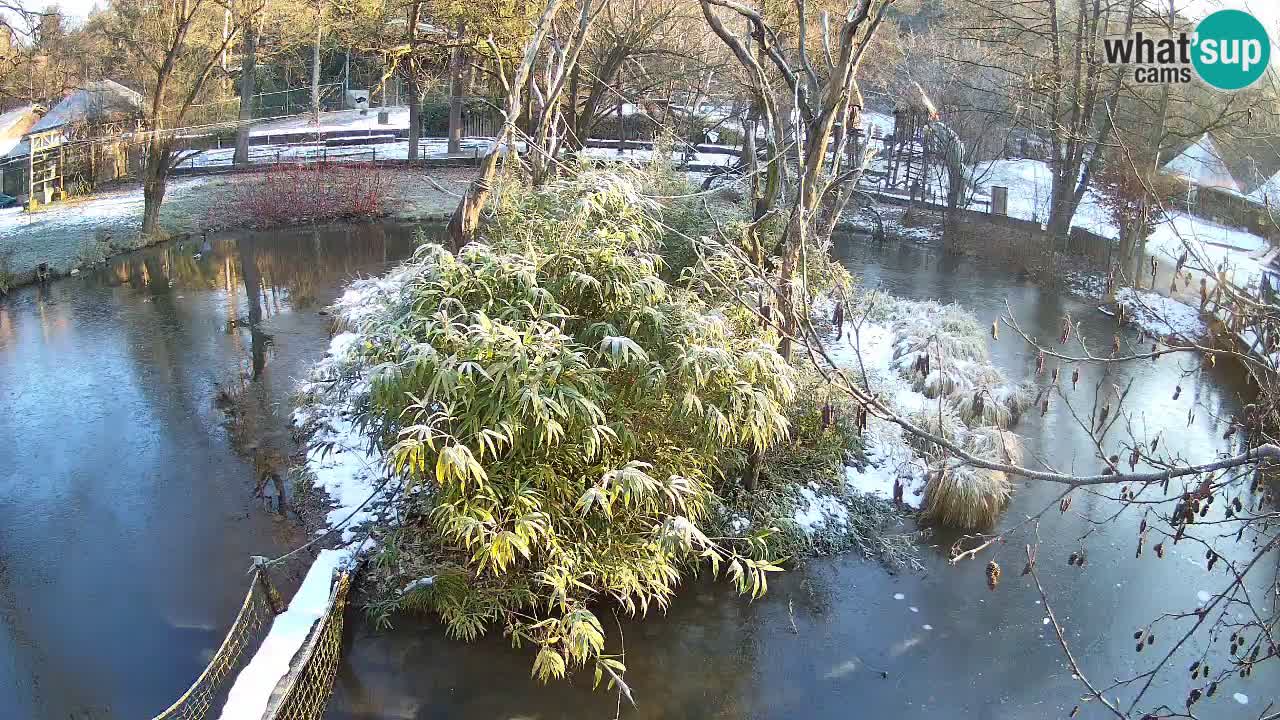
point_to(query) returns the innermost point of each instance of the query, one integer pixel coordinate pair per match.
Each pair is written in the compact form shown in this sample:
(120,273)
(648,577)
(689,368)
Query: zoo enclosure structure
(90,137)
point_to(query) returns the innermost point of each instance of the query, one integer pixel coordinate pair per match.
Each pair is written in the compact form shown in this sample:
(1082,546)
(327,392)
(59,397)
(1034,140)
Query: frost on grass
(929,361)
(1162,316)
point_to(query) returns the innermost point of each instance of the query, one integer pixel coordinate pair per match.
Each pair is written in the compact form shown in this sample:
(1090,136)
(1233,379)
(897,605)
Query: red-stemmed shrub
(292,194)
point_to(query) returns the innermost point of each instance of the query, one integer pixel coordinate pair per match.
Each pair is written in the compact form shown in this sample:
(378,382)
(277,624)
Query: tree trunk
(466,216)
(751,473)
(153,187)
(315,64)
(1153,169)
(622,129)
(248,86)
(415,112)
(457,63)
(787,271)
(572,139)
(1061,210)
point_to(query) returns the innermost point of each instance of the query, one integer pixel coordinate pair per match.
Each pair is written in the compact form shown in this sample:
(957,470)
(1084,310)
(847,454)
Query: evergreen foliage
(562,417)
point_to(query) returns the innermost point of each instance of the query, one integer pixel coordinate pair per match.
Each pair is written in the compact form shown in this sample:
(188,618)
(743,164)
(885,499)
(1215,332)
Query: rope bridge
(303,693)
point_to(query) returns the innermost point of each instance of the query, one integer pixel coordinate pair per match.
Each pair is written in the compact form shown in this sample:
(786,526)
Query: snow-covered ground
(1030,184)
(640,155)
(889,457)
(1162,316)
(1212,245)
(340,458)
(336,121)
(434,148)
(876,124)
(64,233)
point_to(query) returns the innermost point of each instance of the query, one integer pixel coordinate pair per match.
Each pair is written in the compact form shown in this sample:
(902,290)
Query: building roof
(1203,163)
(13,125)
(99,101)
(1268,193)
(1251,162)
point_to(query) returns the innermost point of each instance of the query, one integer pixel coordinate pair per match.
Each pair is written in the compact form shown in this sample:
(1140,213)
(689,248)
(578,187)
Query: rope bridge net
(303,693)
(259,608)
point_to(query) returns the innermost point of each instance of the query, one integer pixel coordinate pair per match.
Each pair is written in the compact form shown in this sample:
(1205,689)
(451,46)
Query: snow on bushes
(943,352)
(560,416)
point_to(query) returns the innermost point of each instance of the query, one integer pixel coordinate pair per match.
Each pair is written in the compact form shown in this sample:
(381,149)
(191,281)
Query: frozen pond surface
(936,644)
(126,517)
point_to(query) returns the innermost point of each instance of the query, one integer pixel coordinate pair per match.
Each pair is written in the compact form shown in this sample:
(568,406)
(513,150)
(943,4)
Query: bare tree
(822,96)
(172,49)
(547,133)
(466,217)
(315,63)
(248,83)
(457,66)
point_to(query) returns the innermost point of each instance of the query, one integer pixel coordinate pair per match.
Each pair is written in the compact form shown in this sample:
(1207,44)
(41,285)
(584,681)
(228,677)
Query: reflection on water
(950,648)
(126,517)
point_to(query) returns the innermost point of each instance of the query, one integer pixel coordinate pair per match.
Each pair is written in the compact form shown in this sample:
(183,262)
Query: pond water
(841,637)
(127,519)
(126,515)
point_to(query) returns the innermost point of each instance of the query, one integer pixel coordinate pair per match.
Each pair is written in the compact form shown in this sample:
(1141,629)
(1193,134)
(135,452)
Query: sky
(71,8)
(1268,11)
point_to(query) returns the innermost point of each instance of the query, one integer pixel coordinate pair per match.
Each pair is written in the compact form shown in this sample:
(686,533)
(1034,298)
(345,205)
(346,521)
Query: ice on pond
(1203,596)
(1044,621)
(899,596)
(1241,698)
(927,626)
(913,608)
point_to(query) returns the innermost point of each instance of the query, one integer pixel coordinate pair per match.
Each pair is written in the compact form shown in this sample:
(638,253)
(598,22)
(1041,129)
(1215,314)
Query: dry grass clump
(991,400)
(942,350)
(962,496)
(965,497)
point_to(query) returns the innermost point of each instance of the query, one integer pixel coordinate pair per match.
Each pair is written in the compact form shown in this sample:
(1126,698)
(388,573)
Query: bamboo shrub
(559,414)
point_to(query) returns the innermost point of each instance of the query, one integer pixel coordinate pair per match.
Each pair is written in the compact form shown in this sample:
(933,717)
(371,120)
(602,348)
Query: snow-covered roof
(1268,193)
(1203,164)
(13,125)
(95,101)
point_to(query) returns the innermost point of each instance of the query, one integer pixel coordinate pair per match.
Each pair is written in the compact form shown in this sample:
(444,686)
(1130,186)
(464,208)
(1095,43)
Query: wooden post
(31,175)
(274,601)
(999,200)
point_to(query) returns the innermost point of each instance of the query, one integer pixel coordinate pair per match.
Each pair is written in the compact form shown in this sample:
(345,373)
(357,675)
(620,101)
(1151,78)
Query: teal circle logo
(1231,49)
